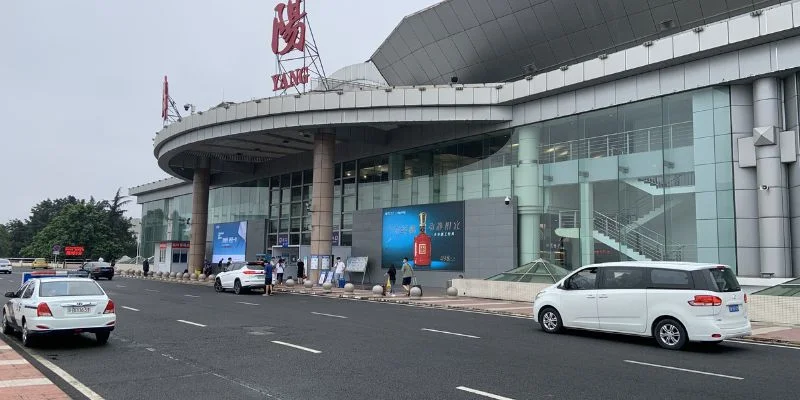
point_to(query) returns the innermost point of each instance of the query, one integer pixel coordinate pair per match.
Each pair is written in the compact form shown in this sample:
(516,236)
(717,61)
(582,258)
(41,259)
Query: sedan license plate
(78,310)
(733,308)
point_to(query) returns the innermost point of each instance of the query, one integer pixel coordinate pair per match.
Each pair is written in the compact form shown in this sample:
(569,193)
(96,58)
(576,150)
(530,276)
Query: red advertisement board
(73,251)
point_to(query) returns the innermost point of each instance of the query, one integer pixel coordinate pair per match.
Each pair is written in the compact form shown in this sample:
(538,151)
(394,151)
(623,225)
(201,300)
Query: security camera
(186,107)
(764,187)
(507,200)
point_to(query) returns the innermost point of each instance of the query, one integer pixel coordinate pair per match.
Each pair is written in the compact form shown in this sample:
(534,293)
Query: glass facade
(650,180)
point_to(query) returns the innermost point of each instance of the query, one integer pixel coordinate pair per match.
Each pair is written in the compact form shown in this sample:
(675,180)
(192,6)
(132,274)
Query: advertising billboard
(431,236)
(230,240)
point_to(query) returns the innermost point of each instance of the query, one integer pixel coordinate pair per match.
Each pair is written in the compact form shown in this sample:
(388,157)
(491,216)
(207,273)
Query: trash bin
(342,281)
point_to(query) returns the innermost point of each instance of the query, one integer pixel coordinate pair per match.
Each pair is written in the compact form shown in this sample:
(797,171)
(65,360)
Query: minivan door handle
(589,296)
(603,296)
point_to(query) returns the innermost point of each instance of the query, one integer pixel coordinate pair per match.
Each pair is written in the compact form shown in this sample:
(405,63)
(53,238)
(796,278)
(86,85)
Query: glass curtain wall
(154,226)
(644,181)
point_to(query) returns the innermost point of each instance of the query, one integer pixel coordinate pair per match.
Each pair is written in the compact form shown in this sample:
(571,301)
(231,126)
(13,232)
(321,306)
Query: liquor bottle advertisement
(431,236)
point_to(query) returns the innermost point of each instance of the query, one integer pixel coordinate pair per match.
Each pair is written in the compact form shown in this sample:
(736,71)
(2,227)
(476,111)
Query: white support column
(587,223)
(528,192)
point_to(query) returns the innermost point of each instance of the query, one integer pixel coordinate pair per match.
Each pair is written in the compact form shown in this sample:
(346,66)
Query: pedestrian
(268,279)
(301,273)
(145,266)
(392,274)
(113,263)
(228,265)
(219,265)
(339,271)
(281,268)
(408,273)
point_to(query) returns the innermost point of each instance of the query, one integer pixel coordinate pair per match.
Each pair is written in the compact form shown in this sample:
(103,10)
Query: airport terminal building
(484,135)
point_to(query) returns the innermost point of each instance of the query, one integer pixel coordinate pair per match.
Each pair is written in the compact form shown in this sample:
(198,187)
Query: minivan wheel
(670,334)
(550,320)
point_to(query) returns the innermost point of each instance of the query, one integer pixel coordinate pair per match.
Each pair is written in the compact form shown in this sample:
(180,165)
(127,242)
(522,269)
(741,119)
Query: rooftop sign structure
(297,57)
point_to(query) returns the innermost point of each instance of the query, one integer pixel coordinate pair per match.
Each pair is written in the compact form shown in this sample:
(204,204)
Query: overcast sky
(80,80)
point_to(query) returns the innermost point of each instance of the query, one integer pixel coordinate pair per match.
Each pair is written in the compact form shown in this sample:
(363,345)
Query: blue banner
(229,240)
(431,236)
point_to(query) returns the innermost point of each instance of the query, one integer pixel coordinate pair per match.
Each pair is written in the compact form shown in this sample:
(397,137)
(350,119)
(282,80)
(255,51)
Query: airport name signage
(290,79)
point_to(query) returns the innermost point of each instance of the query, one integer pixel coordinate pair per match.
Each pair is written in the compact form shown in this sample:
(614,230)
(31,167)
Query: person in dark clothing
(392,273)
(268,288)
(301,273)
(145,266)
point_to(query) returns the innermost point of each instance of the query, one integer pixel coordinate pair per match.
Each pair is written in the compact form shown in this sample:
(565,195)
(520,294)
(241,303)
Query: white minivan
(674,302)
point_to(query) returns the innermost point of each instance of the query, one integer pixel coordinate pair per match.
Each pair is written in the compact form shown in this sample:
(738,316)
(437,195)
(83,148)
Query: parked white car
(5,266)
(49,306)
(672,302)
(241,278)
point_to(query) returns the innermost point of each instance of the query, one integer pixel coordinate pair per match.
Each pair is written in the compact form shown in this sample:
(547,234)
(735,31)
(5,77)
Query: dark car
(97,269)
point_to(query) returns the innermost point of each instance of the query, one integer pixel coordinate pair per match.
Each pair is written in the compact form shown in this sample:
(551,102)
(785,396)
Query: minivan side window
(622,278)
(670,279)
(584,280)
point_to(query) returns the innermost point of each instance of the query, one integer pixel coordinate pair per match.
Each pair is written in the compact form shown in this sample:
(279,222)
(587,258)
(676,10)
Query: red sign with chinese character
(290,30)
(73,251)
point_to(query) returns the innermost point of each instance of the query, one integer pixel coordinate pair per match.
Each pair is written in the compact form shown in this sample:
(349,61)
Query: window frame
(567,282)
(690,285)
(643,282)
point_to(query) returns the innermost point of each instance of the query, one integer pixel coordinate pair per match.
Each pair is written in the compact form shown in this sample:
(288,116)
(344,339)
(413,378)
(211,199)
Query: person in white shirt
(339,271)
(280,269)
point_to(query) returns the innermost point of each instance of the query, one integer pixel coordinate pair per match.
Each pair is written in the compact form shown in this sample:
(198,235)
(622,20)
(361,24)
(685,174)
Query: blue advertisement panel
(431,236)
(230,240)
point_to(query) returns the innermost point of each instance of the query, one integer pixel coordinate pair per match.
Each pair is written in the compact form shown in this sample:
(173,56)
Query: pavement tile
(22,381)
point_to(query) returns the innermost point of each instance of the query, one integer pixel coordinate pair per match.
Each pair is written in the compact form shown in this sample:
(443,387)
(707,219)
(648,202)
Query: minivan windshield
(725,280)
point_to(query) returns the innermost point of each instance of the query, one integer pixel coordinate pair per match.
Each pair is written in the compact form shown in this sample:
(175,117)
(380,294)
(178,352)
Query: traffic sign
(56,248)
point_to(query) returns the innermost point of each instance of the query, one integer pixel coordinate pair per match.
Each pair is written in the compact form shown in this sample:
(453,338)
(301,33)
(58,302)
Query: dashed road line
(150,290)
(191,295)
(694,371)
(246,303)
(484,394)
(451,333)
(191,323)
(329,315)
(296,347)
(130,308)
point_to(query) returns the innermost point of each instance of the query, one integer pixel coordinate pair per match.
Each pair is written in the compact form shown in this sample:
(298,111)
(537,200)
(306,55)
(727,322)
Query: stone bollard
(349,288)
(172,275)
(193,277)
(290,283)
(202,277)
(130,271)
(186,276)
(308,284)
(326,287)
(138,273)
(377,289)
(212,277)
(452,291)
(416,292)
(159,274)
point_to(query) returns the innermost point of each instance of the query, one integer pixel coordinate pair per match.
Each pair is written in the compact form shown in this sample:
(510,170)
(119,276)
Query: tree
(78,224)
(5,242)
(18,235)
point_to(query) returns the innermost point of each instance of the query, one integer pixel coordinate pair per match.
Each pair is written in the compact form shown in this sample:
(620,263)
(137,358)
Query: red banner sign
(73,251)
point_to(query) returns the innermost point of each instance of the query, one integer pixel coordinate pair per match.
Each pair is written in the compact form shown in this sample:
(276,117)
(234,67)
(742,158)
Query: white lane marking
(510,308)
(328,315)
(130,308)
(296,347)
(249,304)
(121,286)
(67,377)
(5,347)
(451,333)
(769,329)
(484,394)
(479,304)
(25,382)
(192,323)
(684,370)
(780,346)
(150,290)
(190,295)
(150,349)
(18,361)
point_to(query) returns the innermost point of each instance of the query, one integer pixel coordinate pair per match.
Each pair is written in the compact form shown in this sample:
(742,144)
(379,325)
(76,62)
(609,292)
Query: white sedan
(241,278)
(48,306)
(5,266)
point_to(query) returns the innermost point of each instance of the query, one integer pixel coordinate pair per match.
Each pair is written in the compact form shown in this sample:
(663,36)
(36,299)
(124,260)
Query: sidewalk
(19,380)
(436,298)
